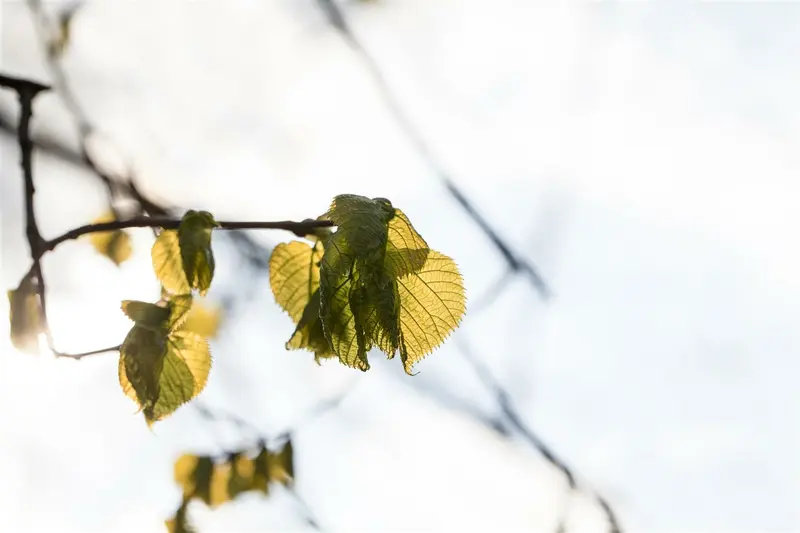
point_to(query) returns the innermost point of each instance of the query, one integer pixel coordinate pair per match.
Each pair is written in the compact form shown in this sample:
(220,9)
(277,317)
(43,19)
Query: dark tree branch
(337,19)
(300,229)
(26,92)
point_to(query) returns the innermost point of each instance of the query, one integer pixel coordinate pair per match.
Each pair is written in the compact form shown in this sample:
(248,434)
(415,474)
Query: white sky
(645,156)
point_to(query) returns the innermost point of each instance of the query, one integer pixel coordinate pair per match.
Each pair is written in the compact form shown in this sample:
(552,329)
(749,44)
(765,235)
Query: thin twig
(81,355)
(337,19)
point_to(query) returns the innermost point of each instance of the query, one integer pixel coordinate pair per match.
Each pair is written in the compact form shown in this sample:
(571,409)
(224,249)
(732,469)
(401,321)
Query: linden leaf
(280,465)
(261,471)
(180,522)
(167,263)
(25,317)
(116,245)
(406,250)
(164,316)
(361,221)
(162,372)
(194,236)
(218,491)
(380,285)
(203,319)
(294,275)
(294,280)
(432,304)
(201,479)
(242,474)
(308,334)
(185,468)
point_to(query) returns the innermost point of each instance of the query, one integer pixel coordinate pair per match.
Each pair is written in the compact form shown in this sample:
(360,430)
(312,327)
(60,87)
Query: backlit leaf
(241,474)
(294,280)
(116,245)
(380,285)
(432,304)
(167,263)
(280,465)
(25,317)
(194,236)
(180,522)
(161,371)
(203,318)
(164,316)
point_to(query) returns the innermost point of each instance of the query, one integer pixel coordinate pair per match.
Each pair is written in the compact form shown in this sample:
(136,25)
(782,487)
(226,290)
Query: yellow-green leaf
(116,245)
(180,522)
(360,221)
(167,263)
(432,304)
(294,275)
(241,474)
(381,285)
(25,317)
(161,371)
(294,280)
(280,465)
(308,335)
(203,318)
(194,236)
(164,316)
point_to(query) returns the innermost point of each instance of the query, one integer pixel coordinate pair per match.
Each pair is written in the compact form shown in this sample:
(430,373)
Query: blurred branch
(512,415)
(518,264)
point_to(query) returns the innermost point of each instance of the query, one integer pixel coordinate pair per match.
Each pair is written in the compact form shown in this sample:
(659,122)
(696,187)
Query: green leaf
(381,285)
(180,522)
(115,245)
(161,371)
(167,263)
(182,259)
(194,236)
(294,280)
(280,465)
(241,474)
(432,304)
(203,318)
(25,317)
(164,316)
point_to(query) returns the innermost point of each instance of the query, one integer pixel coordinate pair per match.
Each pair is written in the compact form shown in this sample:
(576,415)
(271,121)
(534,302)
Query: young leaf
(180,522)
(380,285)
(164,316)
(241,474)
(432,303)
(182,259)
(25,317)
(294,280)
(203,319)
(194,236)
(280,465)
(167,263)
(116,245)
(161,370)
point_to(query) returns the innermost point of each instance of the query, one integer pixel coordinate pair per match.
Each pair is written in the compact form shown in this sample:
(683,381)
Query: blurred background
(618,183)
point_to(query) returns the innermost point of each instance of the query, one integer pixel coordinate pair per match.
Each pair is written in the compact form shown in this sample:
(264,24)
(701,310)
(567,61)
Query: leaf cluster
(374,282)
(215,482)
